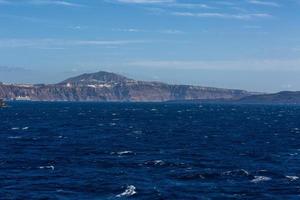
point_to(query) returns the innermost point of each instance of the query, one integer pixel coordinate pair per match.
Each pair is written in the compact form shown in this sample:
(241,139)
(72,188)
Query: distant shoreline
(110,87)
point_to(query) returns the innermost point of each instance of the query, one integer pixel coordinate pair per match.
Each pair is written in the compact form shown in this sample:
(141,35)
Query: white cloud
(168,3)
(145,1)
(190,5)
(54,2)
(12,69)
(77,27)
(135,30)
(223,15)
(171,31)
(131,30)
(59,43)
(264,3)
(244,65)
(41,2)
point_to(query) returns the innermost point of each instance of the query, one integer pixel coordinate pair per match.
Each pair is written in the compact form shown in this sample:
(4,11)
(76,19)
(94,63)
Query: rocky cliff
(104,86)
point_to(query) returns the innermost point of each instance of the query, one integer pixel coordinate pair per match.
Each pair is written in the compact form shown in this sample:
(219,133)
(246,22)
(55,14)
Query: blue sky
(245,44)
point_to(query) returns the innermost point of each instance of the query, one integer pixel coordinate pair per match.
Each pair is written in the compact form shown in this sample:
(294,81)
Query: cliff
(105,86)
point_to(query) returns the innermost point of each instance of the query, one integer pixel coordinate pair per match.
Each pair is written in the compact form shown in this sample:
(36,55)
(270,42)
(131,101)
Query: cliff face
(104,86)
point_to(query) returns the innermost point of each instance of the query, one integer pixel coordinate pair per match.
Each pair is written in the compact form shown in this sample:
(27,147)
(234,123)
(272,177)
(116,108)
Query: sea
(149,151)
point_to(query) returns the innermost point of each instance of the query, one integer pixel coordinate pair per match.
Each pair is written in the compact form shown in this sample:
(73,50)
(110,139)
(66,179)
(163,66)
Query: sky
(242,44)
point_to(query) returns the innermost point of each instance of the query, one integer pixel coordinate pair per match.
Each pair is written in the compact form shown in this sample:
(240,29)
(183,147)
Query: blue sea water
(152,151)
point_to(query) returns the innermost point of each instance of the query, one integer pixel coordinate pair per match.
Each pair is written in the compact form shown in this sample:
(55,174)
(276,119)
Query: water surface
(149,151)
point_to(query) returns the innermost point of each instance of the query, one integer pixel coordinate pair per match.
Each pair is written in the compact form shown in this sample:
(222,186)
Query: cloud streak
(145,1)
(57,43)
(167,3)
(41,3)
(237,65)
(264,3)
(165,31)
(12,69)
(223,15)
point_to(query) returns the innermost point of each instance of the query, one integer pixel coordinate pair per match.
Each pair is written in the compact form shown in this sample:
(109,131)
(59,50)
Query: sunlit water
(149,151)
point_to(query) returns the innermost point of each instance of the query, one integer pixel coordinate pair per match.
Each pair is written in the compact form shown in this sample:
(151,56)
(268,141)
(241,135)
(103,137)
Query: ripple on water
(238,172)
(14,137)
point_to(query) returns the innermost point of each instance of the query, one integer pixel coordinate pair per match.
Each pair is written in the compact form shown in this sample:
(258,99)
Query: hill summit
(98,77)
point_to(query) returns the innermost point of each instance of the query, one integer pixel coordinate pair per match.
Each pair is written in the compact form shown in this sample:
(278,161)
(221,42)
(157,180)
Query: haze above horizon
(244,44)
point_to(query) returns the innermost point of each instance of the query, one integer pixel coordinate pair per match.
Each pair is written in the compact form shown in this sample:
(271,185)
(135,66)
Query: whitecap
(158,162)
(130,190)
(258,179)
(292,178)
(25,128)
(47,167)
(15,128)
(124,152)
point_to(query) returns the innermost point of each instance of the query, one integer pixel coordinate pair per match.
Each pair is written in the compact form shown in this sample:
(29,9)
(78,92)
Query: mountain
(105,86)
(97,78)
(284,97)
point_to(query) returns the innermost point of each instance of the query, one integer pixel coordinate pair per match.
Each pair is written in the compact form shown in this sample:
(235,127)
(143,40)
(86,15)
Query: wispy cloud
(145,1)
(77,27)
(4,2)
(191,5)
(264,3)
(240,65)
(25,18)
(59,43)
(41,2)
(168,3)
(130,30)
(180,8)
(135,30)
(223,15)
(12,69)
(55,2)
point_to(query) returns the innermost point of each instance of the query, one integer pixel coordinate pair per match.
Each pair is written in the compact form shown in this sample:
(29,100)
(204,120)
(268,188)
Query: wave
(258,179)
(47,167)
(130,190)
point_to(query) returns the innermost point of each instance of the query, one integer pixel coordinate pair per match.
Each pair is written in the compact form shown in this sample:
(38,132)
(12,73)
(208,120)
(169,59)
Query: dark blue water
(149,151)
